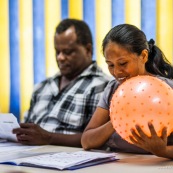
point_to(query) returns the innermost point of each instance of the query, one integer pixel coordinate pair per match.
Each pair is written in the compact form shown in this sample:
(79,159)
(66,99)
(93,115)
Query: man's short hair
(82,30)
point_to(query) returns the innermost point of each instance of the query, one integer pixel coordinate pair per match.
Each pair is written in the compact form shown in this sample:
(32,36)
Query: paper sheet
(7,123)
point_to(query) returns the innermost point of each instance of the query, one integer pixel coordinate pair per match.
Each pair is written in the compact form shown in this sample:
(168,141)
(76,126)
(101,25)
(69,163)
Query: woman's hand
(154,144)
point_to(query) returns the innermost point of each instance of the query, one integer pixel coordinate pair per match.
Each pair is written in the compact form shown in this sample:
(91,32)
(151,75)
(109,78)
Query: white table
(128,163)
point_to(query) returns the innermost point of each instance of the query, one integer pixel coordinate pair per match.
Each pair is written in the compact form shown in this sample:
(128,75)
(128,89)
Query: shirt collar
(91,70)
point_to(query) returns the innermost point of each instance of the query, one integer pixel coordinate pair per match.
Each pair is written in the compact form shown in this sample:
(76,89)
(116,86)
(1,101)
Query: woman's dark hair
(82,30)
(134,40)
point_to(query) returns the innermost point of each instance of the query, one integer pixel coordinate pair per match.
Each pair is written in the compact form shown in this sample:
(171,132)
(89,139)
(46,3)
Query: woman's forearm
(168,153)
(95,138)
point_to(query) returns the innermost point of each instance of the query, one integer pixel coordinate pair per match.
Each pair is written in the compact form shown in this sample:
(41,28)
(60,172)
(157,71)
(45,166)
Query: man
(61,106)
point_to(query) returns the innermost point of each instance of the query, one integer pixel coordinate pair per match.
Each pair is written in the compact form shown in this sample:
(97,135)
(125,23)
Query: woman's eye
(124,63)
(110,66)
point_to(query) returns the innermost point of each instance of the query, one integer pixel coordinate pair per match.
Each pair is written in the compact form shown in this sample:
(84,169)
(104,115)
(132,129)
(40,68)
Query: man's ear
(144,55)
(89,49)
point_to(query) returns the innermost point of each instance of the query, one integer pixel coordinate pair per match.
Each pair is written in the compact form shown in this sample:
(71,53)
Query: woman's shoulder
(167,80)
(113,83)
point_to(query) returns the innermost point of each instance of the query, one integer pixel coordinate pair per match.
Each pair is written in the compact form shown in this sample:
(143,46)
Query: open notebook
(64,160)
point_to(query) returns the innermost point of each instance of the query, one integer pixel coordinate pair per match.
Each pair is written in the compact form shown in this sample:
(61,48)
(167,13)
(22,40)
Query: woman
(128,54)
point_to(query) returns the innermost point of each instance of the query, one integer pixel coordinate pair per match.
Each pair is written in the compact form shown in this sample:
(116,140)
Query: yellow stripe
(52,18)
(75,9)
(26,54)
(133,12)
(164,27)
(4,58)
(103,25)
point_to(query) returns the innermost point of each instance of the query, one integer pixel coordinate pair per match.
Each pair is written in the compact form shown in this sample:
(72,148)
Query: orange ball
(140,100)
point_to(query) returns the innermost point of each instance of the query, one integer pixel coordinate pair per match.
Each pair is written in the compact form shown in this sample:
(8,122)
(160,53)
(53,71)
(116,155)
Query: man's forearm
(73,140)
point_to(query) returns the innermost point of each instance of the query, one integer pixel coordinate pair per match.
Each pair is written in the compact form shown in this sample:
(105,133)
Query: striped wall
(26,37)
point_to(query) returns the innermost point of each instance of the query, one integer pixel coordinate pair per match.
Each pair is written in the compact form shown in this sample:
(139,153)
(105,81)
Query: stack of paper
(65,160)
(8,148)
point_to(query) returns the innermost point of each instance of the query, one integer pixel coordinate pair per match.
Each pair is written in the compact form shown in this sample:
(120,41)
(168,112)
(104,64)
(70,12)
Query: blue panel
(89,18)
(118,12)
(148,18)
(39,41)
(14,58)
(64,9)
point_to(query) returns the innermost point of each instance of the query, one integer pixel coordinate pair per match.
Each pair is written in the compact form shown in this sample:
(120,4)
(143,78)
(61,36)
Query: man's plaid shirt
(67,111)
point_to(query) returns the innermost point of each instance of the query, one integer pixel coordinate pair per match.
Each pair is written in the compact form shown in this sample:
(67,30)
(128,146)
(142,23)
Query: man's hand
(32,134)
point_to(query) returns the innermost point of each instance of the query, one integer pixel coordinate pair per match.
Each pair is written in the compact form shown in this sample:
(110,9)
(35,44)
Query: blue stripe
(148,18)
(118,12)
(39,41)
(64,9)
(89,18)
(14,58)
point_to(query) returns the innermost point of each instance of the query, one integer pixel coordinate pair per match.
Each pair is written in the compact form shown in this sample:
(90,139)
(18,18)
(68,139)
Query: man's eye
(68,52)
(57,52)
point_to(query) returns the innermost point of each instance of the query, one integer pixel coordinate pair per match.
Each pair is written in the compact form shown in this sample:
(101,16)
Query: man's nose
(60,56)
